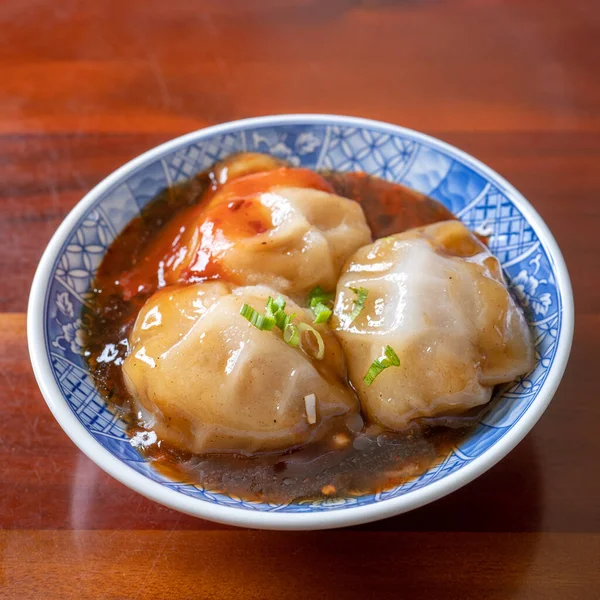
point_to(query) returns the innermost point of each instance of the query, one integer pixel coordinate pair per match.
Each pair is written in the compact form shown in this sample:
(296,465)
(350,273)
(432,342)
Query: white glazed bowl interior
(480,197)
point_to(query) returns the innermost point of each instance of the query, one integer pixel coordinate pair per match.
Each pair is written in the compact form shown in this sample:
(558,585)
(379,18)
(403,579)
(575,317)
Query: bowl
(480,197)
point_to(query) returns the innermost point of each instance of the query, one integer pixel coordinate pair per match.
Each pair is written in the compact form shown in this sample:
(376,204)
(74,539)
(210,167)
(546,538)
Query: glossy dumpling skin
(438,297)
(312,234)
(206,380)
(280,227)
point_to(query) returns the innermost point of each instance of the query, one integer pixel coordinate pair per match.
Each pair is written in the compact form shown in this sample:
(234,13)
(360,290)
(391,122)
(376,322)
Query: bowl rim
(232,515)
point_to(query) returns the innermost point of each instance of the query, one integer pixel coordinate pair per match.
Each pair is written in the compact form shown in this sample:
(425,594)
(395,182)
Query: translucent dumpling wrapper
(206,380)
(312,234)
(282,227)
(438,297)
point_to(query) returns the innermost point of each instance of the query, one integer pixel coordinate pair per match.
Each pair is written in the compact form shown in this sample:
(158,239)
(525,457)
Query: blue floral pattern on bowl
(478,198)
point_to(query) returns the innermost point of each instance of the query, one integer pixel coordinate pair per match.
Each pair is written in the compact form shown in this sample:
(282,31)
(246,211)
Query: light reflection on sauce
(141,355)
(153,319)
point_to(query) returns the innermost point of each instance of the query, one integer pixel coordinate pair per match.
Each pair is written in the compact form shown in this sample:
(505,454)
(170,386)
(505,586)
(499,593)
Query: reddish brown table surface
(85,86)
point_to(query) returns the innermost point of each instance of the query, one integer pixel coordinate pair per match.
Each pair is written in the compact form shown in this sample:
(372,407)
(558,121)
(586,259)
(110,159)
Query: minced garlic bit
(328,490)
(340,440)
(310,402)
(143,439)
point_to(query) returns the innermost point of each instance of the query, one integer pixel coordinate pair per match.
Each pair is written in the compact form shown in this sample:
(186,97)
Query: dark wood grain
(84,87)
(316,565)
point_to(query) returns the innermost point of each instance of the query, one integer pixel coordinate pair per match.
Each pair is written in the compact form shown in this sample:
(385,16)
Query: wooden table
(85,86)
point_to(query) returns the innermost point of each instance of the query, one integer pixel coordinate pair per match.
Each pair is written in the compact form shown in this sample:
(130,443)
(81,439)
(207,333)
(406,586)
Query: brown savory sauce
(363,460)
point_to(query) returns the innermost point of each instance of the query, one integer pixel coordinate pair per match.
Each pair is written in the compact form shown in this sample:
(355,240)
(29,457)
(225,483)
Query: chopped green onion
(320,304)
(262,322)
(304,345)
(319,296)
(274,306)
(322,313)
(359,303)
(280,302)
(282,320)
(291,335)
(379,364)
(275,310)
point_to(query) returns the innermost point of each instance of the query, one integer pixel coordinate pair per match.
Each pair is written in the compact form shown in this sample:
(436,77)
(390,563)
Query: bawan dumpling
(438,297)
(283,228)
(310,236)
(206,380)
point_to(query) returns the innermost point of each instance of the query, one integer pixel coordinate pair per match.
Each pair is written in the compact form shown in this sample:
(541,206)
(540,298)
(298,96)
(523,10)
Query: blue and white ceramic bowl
(480,197)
